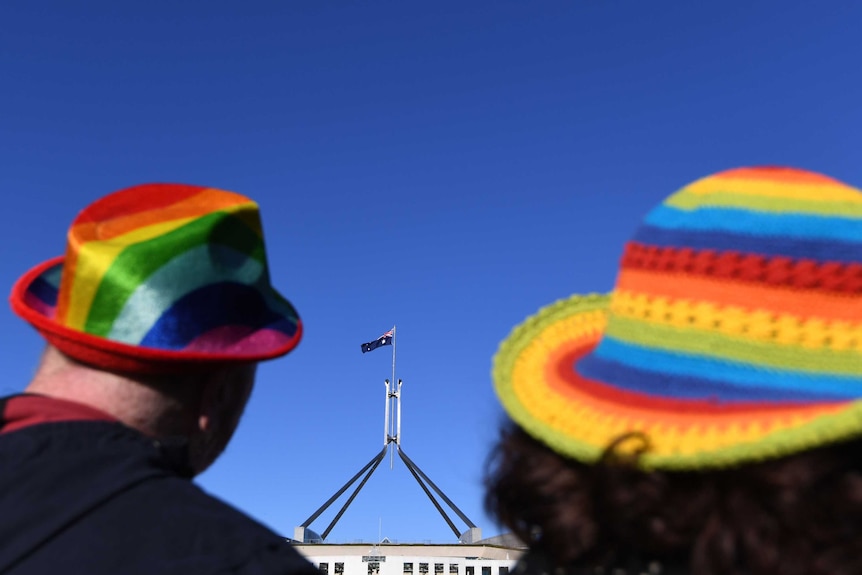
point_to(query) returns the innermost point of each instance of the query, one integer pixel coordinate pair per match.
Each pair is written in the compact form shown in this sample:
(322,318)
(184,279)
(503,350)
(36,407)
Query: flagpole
(392,448)
(394,343)
(386,425)
(398,416)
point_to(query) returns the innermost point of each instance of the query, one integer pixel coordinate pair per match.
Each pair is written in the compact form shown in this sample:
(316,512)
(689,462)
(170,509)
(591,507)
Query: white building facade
(410,559)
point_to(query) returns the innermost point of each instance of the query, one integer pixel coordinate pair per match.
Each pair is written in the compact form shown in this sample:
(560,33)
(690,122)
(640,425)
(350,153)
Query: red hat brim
(117,356)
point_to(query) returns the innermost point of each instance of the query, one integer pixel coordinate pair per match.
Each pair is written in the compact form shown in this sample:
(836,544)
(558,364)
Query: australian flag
(385,339)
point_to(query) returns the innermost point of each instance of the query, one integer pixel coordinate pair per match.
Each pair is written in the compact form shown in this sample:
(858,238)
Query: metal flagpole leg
(413,469)
(439,491)
(353,495)
(338,493)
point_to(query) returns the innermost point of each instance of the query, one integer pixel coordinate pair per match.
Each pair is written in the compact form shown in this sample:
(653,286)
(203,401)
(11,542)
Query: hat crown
(117,245)
(749,271)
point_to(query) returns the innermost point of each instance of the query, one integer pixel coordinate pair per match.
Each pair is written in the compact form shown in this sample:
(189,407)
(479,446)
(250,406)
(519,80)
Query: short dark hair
(800,514)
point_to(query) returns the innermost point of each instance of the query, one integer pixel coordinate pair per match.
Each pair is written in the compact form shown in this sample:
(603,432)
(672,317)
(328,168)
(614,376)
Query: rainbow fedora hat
(161,278)
(733,333)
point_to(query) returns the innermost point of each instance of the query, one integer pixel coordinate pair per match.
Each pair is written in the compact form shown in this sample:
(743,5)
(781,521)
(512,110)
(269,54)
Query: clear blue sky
(448,167)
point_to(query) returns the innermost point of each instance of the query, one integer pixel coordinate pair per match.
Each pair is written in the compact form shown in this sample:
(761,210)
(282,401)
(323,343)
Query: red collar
(24,410)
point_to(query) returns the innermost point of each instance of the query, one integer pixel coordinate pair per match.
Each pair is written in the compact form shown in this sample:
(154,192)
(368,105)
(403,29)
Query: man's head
(224,395)
(204,408)
(159,312)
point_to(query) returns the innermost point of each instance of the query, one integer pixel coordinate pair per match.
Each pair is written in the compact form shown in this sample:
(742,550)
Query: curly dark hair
(797,515)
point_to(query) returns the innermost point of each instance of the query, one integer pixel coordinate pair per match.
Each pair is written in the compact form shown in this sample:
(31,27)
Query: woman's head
(730,346)
(800,514)
(733,333)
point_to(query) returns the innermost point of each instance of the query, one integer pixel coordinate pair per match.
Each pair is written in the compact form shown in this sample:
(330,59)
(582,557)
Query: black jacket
(96,497)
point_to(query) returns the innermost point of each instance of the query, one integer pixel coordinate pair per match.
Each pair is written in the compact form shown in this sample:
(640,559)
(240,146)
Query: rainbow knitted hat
(734,331)
(161,278)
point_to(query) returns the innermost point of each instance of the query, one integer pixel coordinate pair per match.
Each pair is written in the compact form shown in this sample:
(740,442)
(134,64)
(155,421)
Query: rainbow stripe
(734,330)
(170,267)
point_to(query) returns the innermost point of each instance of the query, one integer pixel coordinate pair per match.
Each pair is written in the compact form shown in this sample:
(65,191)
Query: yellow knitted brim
(536,378)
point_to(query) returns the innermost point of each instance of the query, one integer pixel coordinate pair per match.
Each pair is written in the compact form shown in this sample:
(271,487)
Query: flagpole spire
(394,344)
(392,441)
(386,417)
(392,415)
(397,402)
(398,418)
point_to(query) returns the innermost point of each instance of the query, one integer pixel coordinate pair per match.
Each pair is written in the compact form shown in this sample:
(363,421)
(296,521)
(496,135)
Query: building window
(324,568)
(453,568)
(470,570)
(423,568)
(438,568)
(339,568)
(504,570)
(373,567)
(486,570)
(408,567)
